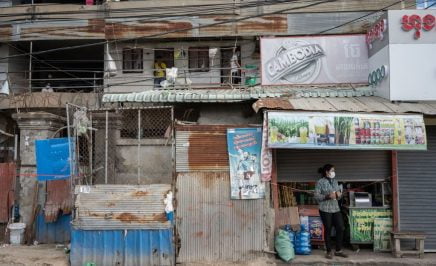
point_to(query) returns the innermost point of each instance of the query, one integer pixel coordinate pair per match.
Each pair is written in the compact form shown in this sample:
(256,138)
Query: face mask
(332,175)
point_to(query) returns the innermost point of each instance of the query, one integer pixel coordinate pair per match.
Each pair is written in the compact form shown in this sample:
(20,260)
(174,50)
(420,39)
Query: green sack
(284,246)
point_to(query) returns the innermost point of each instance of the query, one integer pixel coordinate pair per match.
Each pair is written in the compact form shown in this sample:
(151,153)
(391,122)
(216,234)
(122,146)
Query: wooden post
(275,189)
(394,185)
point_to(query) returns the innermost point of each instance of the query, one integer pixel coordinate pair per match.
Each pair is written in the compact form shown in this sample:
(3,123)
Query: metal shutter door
(302,165)
(417,190)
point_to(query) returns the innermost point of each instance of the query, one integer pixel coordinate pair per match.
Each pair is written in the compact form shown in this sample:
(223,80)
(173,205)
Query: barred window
(133,60)
(154,123)
(198,59)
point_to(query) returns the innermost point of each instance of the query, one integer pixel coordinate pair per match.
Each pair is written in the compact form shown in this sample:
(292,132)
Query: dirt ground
(39,255)
(361,258)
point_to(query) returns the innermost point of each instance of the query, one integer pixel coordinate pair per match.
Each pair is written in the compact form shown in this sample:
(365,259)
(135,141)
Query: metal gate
(417,183)
(302,165)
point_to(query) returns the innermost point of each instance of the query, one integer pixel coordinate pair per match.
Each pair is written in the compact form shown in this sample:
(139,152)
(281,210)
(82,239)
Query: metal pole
(106,148)
(139,145)
(30,66)
(16,148)
(71,155)
(90,150)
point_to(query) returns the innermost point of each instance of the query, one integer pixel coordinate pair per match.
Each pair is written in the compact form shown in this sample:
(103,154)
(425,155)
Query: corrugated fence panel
(114,207)
(302,165)
(201,151)
(55,232)
(211,226)
(122,247)
(7,182)
(417,183)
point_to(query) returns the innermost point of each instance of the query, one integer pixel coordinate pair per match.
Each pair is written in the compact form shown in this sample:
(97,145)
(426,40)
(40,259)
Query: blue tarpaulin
(52,159)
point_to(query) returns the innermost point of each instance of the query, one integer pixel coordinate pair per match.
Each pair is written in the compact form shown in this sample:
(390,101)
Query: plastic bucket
(17,233)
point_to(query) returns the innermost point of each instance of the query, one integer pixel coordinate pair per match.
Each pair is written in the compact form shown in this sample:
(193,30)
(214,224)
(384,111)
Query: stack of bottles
(300,240)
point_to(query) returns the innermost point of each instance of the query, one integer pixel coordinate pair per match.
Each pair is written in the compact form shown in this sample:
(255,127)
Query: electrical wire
(173,31)
(319,32)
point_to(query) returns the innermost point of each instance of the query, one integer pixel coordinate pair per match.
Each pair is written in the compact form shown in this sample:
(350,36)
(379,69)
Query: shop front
(362,147)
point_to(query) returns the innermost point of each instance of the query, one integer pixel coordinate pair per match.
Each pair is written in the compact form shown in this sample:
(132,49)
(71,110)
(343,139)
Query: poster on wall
(314,60)
(244,148)
(304,130)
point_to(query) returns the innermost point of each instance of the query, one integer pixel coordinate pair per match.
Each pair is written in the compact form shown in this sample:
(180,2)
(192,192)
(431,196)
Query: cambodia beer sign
(303,130)
(314,60)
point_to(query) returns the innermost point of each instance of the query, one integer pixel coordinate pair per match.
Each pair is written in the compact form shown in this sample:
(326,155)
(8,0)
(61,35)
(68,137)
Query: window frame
(129,65)
(198,52)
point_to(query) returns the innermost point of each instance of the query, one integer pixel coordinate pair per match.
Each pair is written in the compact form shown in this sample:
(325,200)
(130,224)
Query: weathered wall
(228,114)
(155,163)
(33,126)
(134,82)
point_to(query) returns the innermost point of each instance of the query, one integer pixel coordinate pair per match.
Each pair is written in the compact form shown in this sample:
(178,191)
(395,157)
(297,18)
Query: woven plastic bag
(284,246)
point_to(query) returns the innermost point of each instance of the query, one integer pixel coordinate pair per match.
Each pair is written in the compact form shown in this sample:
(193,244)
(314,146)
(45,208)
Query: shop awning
(365,104)
(232,95)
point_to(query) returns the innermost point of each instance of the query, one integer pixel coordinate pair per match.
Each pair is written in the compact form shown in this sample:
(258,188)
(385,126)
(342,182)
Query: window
(132,60)
(198,59)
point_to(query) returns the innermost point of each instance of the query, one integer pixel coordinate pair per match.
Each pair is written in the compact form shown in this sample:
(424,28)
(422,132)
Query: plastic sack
(302,242)
(284,246)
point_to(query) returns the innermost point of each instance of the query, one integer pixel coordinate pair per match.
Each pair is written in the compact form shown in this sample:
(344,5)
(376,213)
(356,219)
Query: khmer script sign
(314,60)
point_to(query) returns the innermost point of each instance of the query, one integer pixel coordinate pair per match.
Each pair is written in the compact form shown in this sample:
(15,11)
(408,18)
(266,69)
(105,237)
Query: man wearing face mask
(327,193)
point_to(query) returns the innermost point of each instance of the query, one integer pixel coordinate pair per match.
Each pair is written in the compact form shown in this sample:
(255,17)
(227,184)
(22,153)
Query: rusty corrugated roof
(345,104)
(112,207)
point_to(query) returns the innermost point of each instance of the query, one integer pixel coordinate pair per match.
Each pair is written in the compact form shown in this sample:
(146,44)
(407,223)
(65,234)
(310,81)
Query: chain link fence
(114,146)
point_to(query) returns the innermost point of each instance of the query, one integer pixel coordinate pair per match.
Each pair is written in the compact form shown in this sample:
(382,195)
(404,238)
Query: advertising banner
(362,224)
(314,60)
(382,234)
(304,130)
(244,147)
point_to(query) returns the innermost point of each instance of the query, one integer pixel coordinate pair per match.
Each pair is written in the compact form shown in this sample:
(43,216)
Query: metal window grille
(133,60)
(97,135)
(198,59)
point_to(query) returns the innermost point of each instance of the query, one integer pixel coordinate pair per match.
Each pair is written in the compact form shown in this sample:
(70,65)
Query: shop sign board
(382,234)
(314,60)
(244,148)
(405,41)
(362,223)
(314,130)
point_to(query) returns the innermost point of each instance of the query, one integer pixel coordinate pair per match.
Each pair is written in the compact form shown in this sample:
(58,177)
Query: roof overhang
(362,104)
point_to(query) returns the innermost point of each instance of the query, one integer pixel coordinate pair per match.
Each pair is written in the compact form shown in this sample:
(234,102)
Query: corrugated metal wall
(211,226)
(201,148)
(122,247)
(417,184)
(302,165)
(54,232)
(7,183)
(114,207)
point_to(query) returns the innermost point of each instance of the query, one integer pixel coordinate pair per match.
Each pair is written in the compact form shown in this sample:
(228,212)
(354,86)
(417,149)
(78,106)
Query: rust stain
(111,204)
(140,193)
(199,234)
(128,217)
(161,217)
